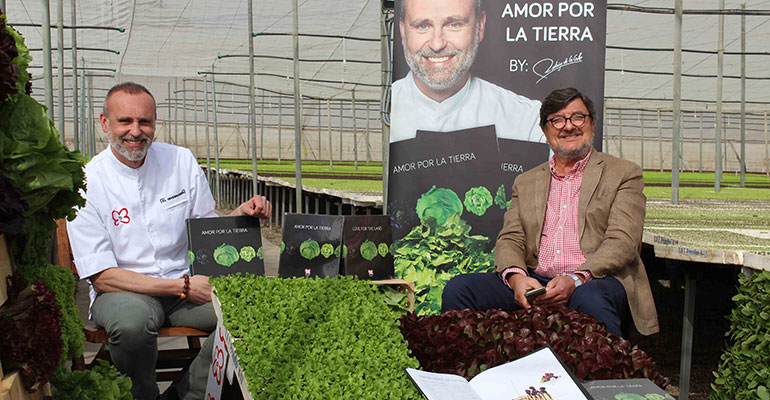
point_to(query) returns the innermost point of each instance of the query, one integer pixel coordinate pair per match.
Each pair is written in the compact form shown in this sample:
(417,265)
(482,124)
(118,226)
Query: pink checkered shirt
(559,241)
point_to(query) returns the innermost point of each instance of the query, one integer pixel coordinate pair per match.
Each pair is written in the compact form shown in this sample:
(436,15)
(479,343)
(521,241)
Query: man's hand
(520,284)
(558,291)
(200,289)
(257,207)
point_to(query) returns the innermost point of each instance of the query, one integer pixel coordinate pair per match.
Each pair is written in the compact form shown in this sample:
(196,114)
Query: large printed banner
(468,77)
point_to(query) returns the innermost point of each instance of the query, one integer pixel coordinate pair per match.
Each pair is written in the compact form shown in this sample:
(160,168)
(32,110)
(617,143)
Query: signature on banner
(547,66)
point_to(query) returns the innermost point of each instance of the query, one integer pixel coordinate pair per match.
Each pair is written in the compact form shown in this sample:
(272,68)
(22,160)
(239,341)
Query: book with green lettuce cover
(225,245)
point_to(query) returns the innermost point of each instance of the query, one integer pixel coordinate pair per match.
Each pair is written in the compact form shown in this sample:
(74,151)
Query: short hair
(559,99)
(477,9)
(127,87)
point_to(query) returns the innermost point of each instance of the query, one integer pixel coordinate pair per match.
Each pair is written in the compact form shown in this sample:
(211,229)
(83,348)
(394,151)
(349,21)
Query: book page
(436,386)
(538,376)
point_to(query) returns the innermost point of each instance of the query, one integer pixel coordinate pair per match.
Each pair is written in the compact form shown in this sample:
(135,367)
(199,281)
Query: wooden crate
(6,269)
(11,388)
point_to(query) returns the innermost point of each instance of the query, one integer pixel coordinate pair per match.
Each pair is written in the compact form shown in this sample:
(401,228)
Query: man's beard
(464,62)
(131,154)
(574,155)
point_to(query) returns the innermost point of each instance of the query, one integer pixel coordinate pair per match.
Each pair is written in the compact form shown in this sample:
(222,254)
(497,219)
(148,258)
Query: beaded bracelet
(186,289)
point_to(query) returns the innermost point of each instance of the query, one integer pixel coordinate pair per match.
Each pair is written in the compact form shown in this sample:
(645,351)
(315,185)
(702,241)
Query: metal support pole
(368,150)
(176,113)
(48,83)
(91,129)
(206,113)
(262,128)
(329,131)
(641,125)
(252,116)
(355,133)
(195,116)
(74,39)
(385,66)
(605,133)
(168,106)
(83,130)
(280,125)
(677,89)
(660,142)
(297,115)
(620,133)
(319,131)
(767,156)
(687,331)
(342,124)
(184,112)
(700,145)
(60,51)
(718,120)
(743,96)
(217,186)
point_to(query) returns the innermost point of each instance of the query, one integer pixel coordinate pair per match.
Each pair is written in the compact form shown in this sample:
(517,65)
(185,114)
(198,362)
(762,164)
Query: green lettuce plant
(431,254)
(383,249)
(309,249)
(247,253)
(501,200)
(260,253)
(439,204)
(327,250)
(743,370)
(477,200)
(305,338)
(368,250)
(226,255)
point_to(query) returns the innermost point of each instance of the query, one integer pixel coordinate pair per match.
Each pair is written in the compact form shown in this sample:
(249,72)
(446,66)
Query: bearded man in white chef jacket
(129,241)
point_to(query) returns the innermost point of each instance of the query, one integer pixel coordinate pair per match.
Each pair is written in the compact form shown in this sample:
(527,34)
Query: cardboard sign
(225,245)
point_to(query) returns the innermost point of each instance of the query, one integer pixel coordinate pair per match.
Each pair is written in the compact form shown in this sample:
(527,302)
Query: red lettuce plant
(468,342)
(30,338)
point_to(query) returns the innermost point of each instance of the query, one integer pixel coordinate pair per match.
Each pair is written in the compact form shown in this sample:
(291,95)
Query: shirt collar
(125,169)
(577,169)
(454,101)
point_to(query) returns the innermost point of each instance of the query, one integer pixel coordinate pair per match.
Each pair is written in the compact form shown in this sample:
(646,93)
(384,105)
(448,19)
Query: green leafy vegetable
(283,246)
(477,200)
(439,204)
(248,253)
(309,249)
(344,251)
(368,250)
(101,382)
(226,255)
(306,339)
(191,256)
(327,250)
(383,249)
(260,253)
(742,371)
(431,254)
(501,200)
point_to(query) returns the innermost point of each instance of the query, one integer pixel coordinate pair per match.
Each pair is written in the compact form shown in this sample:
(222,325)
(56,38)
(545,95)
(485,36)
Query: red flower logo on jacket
(120,216)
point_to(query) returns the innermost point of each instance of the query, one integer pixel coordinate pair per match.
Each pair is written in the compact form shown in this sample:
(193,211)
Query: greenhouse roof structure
(341,53)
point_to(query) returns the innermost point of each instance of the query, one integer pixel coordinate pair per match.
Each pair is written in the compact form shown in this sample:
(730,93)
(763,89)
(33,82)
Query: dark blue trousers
(604,299)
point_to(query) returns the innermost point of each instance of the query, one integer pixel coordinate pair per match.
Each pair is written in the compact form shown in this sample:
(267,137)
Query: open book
(537,376)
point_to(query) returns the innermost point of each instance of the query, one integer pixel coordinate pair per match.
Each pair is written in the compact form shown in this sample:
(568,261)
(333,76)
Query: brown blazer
(610,224)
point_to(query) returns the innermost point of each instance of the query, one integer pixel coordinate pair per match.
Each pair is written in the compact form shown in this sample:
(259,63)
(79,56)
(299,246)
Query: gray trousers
(132,321)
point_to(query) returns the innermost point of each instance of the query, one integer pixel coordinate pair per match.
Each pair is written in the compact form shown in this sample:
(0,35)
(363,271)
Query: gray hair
(127,87)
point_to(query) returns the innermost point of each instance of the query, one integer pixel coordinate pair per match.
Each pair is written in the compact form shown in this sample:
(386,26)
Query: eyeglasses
(577,120)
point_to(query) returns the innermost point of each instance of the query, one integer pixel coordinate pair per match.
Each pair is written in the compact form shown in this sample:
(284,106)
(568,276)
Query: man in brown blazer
(574,226)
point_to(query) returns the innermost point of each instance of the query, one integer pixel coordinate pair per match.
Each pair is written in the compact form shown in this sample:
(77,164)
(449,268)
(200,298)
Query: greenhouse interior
(289,103)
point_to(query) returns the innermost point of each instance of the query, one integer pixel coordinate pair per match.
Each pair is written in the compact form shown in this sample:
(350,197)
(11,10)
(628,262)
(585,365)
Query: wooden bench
(171,364)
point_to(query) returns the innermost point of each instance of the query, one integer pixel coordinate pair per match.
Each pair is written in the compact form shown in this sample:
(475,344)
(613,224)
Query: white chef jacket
(135,218)
(478,103)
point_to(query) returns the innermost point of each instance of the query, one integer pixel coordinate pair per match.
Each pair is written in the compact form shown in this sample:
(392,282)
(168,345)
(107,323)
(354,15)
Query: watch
(574,277)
